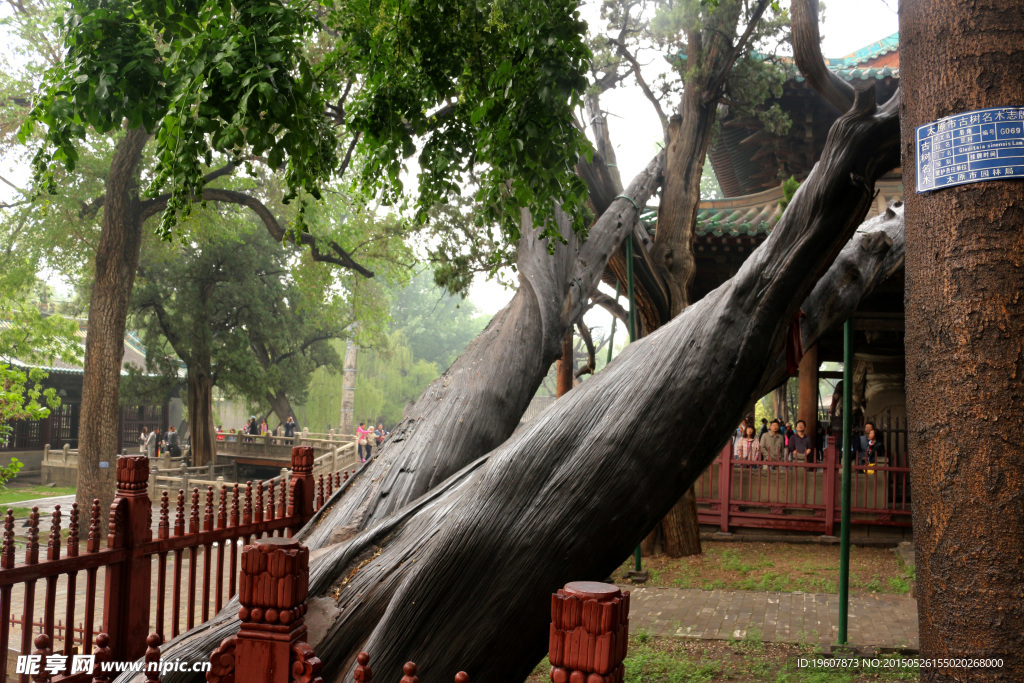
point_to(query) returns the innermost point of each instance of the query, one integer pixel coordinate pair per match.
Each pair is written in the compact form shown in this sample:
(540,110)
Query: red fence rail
(192,557)
(801,496)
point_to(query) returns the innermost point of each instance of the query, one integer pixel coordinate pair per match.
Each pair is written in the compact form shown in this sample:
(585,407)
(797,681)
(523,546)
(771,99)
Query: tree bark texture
(476,404)
(202,432)
(280,404)
(117,257)
(965,347)
(461,577)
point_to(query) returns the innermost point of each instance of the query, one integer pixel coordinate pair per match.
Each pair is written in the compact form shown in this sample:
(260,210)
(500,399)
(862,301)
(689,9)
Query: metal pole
(611,335)
(845,454)
(632,329)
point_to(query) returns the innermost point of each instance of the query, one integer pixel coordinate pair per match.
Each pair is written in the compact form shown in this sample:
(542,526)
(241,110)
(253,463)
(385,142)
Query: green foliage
(484,92)
(9,471)
(789,188)
(23,397)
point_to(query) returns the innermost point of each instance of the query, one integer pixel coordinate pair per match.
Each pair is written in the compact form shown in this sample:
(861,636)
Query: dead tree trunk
(476,404)
(572,493)
(965,354)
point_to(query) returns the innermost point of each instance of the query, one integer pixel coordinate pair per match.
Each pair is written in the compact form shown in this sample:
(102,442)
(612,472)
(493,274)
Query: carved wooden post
(270,647)
(301,484)
(127,594)
(589,633)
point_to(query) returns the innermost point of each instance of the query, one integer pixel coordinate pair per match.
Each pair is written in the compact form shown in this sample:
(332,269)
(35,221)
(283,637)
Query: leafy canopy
(484,90)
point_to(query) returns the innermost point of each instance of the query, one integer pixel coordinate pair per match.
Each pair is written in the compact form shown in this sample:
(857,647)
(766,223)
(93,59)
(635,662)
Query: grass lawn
(15,494)
(809,568)
(682,660)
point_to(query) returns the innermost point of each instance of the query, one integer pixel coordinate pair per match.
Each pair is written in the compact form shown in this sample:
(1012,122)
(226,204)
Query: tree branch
(723,74)
(628,56)
(807,54)
(609,304)
(591,354)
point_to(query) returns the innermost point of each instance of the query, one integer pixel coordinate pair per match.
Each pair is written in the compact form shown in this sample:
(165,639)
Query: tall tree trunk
(203,435)
(117,257)
(965,345)
(458,579)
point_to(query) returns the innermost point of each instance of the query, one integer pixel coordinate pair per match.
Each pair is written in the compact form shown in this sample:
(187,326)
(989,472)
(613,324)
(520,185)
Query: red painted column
(589,633)
(725,484)
(830,489)
(127,594)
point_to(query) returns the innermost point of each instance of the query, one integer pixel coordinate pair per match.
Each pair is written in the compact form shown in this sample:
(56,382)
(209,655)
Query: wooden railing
(161,580)
(801,496)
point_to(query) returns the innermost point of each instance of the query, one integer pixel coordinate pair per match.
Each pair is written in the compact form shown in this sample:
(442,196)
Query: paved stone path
(880,621)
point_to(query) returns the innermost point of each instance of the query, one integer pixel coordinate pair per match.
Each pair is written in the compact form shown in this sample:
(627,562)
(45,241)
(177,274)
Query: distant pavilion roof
(134,354)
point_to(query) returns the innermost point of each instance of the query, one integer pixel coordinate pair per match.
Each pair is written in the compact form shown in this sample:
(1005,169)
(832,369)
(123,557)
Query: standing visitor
(363,437)
(150,444)
(142,440)
(860,443)
(773,444)
(157,442)
(263,427)
(173,447)
(289,427)
(381,434)
(876,448)
(764,426)
(801,445)
(748,448)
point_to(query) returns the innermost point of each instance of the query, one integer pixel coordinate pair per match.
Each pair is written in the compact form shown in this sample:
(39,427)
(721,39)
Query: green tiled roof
(866,53)
(860,74)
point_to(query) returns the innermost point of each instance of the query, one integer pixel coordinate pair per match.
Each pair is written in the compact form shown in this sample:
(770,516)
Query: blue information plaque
(987,144)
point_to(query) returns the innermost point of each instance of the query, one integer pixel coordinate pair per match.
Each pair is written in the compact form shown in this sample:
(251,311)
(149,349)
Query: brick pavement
(880,621)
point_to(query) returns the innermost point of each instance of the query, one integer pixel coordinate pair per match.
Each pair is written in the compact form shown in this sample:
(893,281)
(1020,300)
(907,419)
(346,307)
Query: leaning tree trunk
(202,434)
(965,346)
(280,404)
(117,257)
(476,404)
(460,578)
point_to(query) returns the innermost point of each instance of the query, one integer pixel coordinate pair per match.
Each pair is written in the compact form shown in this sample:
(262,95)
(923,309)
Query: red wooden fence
(802,496)
(194,554)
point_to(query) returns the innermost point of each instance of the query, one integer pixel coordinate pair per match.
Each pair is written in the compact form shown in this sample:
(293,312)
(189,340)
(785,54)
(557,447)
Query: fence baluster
(232,544)
(43,650)
(363,672)
(320,492)
(409,669)
(179,530)
(259,504)
(102,655)
(207,552)
(31,557)
(153,642)
(222,521)
(193,528)
(92,545)
(52,555)
(282,508)
(69,614)
(272,501)
(6,562)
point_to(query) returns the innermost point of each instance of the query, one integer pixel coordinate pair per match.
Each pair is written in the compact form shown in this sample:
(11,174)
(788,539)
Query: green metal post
(611,335)
(632,328)
(845,456)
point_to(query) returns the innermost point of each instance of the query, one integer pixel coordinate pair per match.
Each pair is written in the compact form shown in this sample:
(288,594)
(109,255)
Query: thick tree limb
(591,365)
(807,54)
(611,305)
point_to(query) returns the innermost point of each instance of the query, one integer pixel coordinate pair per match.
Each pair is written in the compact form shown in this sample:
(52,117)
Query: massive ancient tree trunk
(202,433)
(460,578)
(281,406)
(117,257)
(476,404)
(965,346)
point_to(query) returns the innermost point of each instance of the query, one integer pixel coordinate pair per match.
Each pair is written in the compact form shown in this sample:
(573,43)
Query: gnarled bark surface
(461,577)
(476,404)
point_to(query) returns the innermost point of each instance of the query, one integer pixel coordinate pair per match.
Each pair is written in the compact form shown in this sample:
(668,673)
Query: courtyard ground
(751,566)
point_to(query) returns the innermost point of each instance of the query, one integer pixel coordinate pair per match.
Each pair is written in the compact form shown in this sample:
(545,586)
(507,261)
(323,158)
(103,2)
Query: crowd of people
(153,444)
(779,442)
